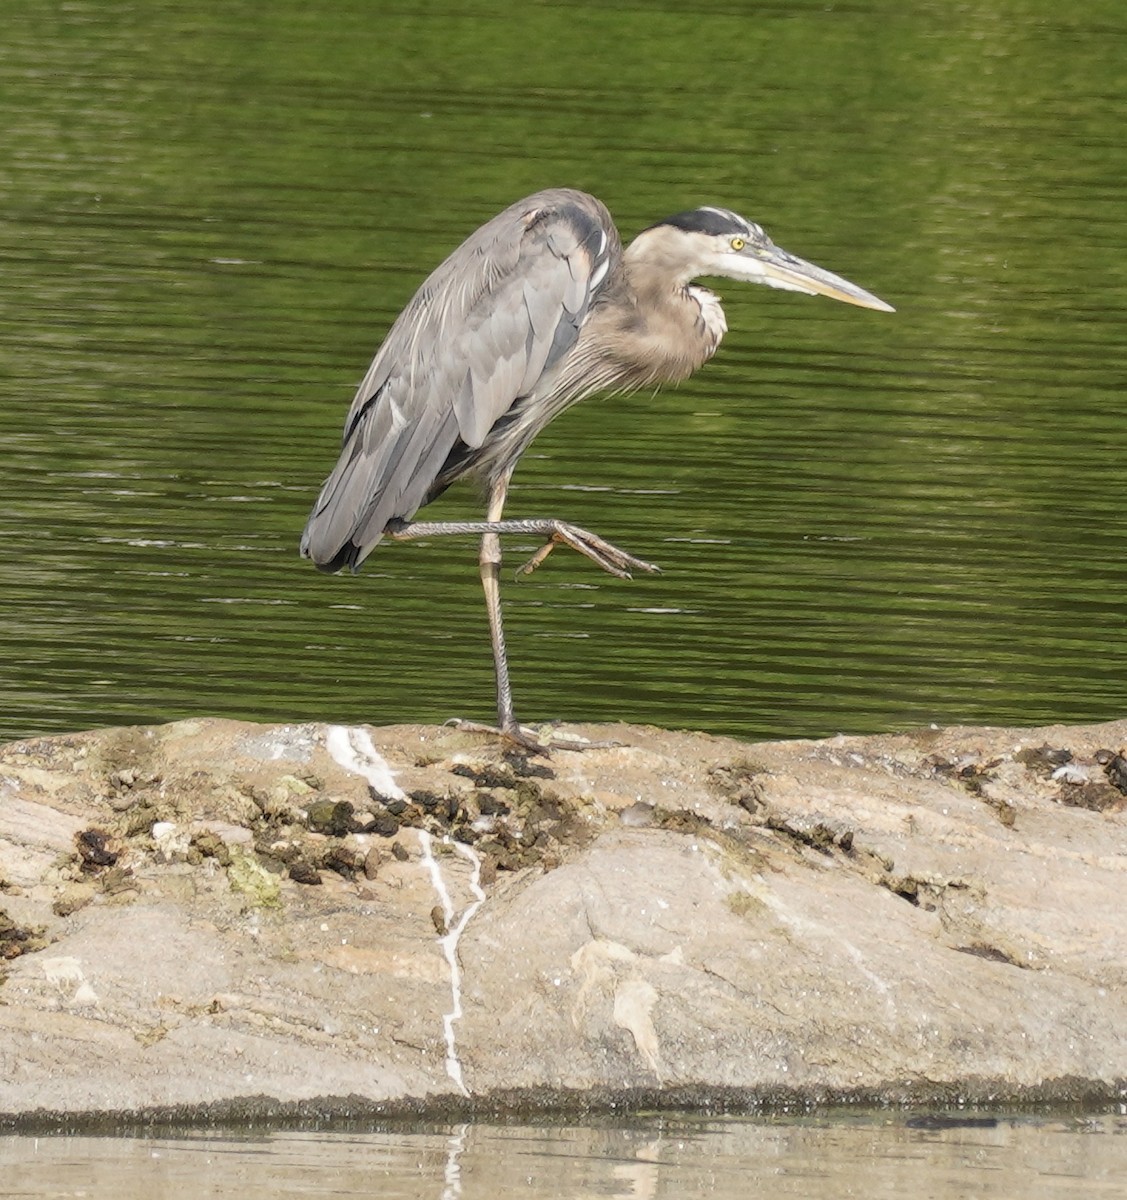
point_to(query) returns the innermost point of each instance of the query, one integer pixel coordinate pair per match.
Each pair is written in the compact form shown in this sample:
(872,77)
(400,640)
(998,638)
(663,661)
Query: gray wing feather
(481,332)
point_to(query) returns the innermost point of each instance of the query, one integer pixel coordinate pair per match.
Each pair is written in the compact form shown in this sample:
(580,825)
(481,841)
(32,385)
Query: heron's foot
(612,560)
(540,739)
(552,736)
(520,736)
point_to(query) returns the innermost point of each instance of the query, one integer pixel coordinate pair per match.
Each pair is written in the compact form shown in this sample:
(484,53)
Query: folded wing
(480,334)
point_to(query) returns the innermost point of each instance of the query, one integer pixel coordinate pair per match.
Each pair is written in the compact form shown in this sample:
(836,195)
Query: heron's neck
(676,326)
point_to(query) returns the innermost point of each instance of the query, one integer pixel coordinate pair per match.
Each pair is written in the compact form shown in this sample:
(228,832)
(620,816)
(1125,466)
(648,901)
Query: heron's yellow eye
(737,243)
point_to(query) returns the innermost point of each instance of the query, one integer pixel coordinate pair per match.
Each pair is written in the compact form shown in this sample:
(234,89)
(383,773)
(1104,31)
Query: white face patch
(754,270)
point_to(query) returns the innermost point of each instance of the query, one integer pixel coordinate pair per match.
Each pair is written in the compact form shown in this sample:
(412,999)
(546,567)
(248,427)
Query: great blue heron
(538,309)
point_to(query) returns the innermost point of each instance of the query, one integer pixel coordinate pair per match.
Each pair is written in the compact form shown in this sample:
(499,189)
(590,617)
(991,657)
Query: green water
(211,213)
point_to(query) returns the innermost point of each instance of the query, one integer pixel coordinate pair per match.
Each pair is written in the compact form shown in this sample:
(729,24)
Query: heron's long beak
(776,268)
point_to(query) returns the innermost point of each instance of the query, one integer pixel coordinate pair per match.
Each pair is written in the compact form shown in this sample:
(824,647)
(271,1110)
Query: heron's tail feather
(385,472)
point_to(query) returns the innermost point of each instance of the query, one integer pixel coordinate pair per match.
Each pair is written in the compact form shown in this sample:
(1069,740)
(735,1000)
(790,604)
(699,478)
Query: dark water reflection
(211,215)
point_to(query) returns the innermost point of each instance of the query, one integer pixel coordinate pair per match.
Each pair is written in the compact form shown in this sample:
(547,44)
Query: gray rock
(921,917)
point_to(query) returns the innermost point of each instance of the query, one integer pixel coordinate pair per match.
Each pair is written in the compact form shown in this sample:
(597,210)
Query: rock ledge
(212,920)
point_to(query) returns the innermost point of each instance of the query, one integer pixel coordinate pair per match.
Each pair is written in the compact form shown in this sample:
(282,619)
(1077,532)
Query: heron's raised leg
(555,533)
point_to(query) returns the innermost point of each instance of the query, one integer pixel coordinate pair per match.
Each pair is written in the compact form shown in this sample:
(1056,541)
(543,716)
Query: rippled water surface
(817,1159)
(211,213)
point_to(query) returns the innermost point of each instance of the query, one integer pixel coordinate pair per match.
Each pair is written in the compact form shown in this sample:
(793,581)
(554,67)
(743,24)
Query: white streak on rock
(455,927)
(353,749)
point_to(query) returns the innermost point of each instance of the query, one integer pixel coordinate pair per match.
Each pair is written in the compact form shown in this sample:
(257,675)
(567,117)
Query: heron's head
(716,241)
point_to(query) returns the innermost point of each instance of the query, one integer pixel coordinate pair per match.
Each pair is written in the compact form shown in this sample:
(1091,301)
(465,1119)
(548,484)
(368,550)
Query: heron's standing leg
(490,562)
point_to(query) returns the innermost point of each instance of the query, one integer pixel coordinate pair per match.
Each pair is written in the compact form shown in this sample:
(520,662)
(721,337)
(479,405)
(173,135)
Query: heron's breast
(713,322)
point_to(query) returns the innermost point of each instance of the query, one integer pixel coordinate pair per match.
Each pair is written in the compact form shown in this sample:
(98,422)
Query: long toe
(601,552)
(541,554)
(514,735)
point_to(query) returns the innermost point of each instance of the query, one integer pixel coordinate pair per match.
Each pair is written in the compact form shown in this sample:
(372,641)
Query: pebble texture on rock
(212,913)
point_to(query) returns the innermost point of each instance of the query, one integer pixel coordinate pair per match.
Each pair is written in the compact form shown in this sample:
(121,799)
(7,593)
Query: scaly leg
(490,564)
